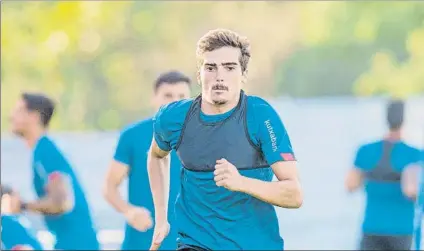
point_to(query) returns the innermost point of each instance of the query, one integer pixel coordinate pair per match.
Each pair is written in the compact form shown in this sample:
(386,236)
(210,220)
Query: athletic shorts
(183,247)
(388,242)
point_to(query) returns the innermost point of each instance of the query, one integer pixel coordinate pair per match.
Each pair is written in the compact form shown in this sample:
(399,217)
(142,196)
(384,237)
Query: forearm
(158,169)
(47,205)
(113,196)
(286,193)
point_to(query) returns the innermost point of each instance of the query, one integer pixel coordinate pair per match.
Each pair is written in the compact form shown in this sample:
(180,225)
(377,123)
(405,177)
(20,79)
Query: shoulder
(257,103)
(259,108)
(408,147)
(173,113)
(45,144)
(370,146)
(410,151)
(259,111)
(134,128)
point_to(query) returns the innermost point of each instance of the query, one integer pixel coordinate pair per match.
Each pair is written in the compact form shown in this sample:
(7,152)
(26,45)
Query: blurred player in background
(230,145)
(130,162)
(61,199)
(417,174)
(386,169)
(15,230)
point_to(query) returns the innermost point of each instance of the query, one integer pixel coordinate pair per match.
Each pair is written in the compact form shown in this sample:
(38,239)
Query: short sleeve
(54,166)
(160,132)
(169,122)
(123,149)
(411,156)
(360,161)
(52,160)
(272,135)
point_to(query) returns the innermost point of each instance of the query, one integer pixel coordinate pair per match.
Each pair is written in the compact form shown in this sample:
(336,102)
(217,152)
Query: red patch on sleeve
(287,156)
(55,176)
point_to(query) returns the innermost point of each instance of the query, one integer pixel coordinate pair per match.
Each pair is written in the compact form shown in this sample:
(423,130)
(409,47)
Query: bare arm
(58,200)
(158,166)
(116,174)
(410,181)
(353,179)
(286,192)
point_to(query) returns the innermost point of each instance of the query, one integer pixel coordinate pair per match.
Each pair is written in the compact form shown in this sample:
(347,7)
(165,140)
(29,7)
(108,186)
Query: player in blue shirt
(387,171)
(230,145)
(61,199)
(416,189)
(15,231)
(130,162)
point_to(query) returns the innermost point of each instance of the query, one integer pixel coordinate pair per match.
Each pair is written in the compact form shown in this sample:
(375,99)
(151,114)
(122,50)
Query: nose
(219,75)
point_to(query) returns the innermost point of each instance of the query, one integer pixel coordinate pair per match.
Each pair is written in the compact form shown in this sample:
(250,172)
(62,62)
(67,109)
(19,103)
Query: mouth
(219,92)
(219,88)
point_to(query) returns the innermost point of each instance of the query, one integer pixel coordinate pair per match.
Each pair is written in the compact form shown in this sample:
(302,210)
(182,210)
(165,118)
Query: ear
(198,77)
(34,116)
(244,76)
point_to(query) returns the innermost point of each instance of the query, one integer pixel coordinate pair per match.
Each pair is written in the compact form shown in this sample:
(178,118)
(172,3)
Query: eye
(210,68)
(230,68)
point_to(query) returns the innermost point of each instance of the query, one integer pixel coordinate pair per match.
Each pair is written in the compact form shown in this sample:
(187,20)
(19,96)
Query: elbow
(108,191)
(410,192)
(294,199)
(297,198)
(350,188)
(352,185)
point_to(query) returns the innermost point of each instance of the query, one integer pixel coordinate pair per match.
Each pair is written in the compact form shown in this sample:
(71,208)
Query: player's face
(167,93)
(20,118)
(221,75)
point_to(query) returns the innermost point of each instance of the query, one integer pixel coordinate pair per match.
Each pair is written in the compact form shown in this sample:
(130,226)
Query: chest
(202,144)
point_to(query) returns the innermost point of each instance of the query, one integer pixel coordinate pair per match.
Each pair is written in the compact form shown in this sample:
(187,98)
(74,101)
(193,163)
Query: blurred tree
(99,59)
(339,38)
(396,78)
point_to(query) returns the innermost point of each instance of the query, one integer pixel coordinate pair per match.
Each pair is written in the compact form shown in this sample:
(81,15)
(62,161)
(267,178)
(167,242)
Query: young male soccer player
(130,161)
(61,198)
(230,145)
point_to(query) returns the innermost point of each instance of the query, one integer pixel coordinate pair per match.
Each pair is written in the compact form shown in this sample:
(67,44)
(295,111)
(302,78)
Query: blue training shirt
(419,207)
(74,229)
(133,146)
(15,233)
(387,211)
(246,222)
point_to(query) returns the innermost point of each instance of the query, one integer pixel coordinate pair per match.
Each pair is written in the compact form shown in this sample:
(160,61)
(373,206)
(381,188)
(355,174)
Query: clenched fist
(227,175)
(139,218)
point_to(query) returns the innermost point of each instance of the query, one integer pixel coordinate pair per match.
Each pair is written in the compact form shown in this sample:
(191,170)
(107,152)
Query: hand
(159,234)
(11,203)
(139,218)
(227,175)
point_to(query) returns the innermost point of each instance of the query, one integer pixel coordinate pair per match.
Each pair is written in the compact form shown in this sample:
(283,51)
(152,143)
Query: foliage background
(99,59)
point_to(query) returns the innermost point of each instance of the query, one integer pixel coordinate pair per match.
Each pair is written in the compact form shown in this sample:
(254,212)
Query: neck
(32,137)
(394,135)
(212,109)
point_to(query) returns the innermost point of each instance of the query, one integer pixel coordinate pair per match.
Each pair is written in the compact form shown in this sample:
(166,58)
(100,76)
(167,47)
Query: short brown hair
(216,39)
(40,103)
(171,77)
